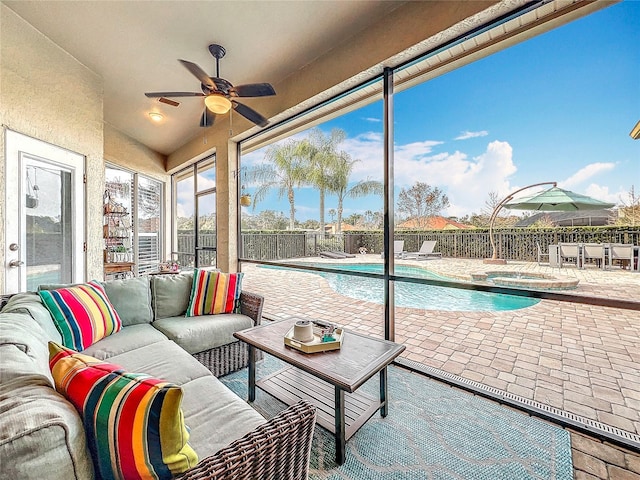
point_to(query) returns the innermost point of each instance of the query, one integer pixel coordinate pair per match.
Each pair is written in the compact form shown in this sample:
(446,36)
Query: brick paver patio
(579,358)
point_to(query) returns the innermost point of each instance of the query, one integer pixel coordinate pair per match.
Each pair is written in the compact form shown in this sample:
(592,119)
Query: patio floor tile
(581,358)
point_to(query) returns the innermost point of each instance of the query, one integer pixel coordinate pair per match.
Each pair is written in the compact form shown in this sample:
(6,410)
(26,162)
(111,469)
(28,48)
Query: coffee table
(329,380)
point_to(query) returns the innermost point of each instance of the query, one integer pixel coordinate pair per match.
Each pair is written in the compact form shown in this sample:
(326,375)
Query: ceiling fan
(218,93)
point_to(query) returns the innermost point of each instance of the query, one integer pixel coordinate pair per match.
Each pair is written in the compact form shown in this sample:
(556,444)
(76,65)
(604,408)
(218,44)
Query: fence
(511,244)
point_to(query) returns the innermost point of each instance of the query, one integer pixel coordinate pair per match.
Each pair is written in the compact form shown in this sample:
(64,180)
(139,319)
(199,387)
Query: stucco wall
(46,94)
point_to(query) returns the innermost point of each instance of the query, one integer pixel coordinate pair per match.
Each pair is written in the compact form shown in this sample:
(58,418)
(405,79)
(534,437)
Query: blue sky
(558,107)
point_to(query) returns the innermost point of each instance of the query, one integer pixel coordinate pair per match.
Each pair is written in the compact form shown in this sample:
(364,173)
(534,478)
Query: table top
(359,358)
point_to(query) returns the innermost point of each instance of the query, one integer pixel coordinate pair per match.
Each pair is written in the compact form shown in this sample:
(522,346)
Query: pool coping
(513,278)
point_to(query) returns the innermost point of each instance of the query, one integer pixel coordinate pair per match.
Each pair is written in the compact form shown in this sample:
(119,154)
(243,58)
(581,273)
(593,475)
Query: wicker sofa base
(226,358)
(277,450)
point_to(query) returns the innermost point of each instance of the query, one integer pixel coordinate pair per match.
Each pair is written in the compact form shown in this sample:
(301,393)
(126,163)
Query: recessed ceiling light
(155,116)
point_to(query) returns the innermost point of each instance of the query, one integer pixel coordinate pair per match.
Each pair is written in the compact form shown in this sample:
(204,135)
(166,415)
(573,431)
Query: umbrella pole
(494,252)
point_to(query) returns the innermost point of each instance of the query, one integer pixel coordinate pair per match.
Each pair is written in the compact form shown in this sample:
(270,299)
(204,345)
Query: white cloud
(371,119)
(586,173)
(467,135)
(600,192)
(467,181)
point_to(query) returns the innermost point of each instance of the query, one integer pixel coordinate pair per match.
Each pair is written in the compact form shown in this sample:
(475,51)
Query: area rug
(433,431)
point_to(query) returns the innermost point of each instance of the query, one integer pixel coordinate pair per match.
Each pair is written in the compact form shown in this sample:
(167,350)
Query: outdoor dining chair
(569,253)
(623,252)
(542,255)
(593,251)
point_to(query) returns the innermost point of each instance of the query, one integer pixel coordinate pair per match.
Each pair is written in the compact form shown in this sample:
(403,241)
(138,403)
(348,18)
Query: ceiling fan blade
(253,90)
(173,94)
(250,114)
(208,117)
(200,74)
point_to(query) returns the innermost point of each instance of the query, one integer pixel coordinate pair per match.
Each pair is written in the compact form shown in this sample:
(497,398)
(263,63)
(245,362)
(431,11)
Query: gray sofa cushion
(129,338)
(25,334)
(171,294)
(42,435)
(29,303)
(197,334)
(15,364)
(164,360)
(131,297)
(215,415)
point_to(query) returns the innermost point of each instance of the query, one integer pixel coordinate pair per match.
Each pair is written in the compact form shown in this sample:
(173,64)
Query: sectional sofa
(43,434)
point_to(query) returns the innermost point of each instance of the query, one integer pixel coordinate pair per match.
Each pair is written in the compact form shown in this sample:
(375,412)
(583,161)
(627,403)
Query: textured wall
(46,94)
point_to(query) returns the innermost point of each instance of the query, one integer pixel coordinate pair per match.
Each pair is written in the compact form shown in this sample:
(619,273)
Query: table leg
(252,373)
(384,409)
(340,427)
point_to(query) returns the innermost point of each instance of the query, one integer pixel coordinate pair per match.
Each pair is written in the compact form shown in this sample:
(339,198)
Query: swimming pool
(413,295)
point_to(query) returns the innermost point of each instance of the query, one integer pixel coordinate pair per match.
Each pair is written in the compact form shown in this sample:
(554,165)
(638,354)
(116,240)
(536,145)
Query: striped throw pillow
(214,292)
(82,314)
(133,422)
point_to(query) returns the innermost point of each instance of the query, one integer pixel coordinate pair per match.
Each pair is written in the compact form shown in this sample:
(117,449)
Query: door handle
(16,263)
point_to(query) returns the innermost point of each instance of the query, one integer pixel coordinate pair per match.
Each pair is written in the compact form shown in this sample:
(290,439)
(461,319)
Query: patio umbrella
(552,200)
(557,200)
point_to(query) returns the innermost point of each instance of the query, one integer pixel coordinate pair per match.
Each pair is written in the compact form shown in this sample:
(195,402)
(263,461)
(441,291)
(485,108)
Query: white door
(45,217)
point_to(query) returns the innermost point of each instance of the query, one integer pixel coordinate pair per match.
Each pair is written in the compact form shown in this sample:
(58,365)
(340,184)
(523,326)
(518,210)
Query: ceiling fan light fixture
(155,116)
(218,104)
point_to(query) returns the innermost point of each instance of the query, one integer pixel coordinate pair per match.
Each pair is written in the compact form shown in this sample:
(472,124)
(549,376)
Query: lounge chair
(426,251)
(336,255)
(398,249)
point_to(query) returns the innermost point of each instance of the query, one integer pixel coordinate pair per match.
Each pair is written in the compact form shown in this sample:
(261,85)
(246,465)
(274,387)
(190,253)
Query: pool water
(413,295)
(47,277)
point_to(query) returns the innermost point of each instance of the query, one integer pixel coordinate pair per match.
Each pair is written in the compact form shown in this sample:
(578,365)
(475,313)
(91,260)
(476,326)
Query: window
(195,213)
(133,233)
(468,129)
(149,223)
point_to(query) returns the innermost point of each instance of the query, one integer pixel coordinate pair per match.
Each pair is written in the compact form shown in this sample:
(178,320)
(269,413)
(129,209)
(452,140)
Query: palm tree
(285,171)
(339,184)
(321,153)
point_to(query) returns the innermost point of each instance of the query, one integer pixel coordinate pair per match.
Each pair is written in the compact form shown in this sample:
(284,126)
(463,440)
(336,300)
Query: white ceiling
(134,47)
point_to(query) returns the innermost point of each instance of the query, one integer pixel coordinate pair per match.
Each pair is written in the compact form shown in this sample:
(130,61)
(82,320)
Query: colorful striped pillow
(133,422)
(214,292)
(82,314)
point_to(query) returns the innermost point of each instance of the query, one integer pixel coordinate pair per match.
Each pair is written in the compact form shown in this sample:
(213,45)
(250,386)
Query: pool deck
(578,358)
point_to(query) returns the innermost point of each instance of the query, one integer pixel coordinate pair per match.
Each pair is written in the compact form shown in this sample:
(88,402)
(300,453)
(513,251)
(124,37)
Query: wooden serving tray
(316,345)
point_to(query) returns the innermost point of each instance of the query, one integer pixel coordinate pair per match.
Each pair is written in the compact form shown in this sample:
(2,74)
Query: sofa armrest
(251,306)
(279,448)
